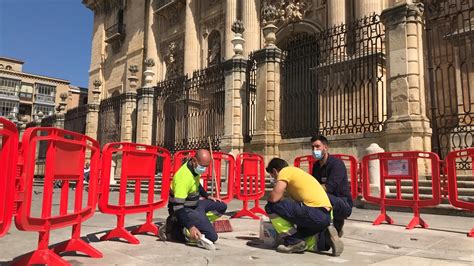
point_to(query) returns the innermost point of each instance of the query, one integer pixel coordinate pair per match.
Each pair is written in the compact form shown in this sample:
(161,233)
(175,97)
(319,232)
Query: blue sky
(52,37)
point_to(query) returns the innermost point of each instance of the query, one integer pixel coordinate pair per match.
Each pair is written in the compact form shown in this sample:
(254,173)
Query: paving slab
(443,243)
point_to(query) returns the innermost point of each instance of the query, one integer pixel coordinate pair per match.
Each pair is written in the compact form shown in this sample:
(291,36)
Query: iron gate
(189,110)
(75,119)
(249,100)
(450,51)
(333,82)
(110,120)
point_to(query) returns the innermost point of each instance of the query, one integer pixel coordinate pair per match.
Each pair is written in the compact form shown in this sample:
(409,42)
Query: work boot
(337,246)
(165,229)
(339,224)
(299,247)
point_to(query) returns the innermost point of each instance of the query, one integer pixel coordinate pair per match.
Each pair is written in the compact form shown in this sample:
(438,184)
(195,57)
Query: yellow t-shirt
(303,187)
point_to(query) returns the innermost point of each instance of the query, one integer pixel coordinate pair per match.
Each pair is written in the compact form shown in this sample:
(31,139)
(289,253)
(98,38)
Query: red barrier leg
(43,255)
(148,227)
(416,220)
(471,234)
(245,212)
(383,217)
(120,232)
(257,209)
(77,244)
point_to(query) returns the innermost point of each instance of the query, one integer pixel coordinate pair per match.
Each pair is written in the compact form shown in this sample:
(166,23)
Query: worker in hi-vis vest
(303,222)
(191,209)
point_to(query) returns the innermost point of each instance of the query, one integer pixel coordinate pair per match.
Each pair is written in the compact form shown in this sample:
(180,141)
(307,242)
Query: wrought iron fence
(333,82)
(110,119)
(75,119)
(249,100)
(189,110)
(450,50)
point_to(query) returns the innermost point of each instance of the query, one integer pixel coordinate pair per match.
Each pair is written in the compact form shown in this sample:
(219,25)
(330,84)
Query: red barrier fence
(467,157)
(250,183)
(401,166)
(138,163)
(221,160)
(309,161)
(65,158)
(8,161)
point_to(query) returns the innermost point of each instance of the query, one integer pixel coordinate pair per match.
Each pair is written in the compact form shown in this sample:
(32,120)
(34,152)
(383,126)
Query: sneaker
(339,227)
(296,248)
(337,246)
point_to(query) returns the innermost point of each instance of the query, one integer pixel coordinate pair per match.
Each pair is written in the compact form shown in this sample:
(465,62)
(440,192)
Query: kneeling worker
(190,217)
(303,222)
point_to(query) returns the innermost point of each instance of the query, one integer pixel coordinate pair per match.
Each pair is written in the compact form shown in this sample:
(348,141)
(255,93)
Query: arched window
(8,67)
(214,48)
(1,66)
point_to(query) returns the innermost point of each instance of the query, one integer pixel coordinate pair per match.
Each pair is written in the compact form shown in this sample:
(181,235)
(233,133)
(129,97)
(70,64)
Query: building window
(1,66)
(45,93)
(8,68)
(9,87)
(45,109)
(7,107)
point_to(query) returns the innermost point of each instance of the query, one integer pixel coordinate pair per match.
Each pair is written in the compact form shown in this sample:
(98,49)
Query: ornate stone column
(267,136)
(407,127)
(230,17)
(336,12)
(129,106)
(252,33)
(192,50)
(145,106)
(234,70)
(93,111)
(368,7)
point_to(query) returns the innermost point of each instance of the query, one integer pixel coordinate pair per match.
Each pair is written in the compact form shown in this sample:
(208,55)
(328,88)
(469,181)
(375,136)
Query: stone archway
(291,30)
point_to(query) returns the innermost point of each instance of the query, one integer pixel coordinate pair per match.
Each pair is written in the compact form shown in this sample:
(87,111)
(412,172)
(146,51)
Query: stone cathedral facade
(265,75)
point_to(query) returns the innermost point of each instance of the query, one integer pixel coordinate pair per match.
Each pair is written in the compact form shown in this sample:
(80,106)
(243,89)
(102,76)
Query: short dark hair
(276,163)
(321,138)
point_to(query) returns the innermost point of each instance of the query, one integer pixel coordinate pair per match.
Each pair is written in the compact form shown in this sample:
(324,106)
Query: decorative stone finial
(238,41)
(149,62)
(133,69)
(97,83)
(149,73)
(270,14)
(96,91)
(238,27)
(133,78)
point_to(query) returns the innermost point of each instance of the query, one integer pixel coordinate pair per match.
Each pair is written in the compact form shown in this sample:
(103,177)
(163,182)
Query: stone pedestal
(267,136)
(128,122)
(407,127)
(145,115)
(374,169)
(232,141)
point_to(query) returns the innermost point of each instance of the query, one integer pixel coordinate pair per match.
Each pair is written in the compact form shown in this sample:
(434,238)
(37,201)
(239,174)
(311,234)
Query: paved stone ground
(444,243)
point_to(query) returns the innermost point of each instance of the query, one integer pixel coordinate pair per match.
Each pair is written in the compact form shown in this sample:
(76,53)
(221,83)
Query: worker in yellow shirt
(303,222)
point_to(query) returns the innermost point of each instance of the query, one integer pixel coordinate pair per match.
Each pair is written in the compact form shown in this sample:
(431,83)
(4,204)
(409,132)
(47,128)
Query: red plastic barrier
(65,157)
(353,175)
(138,164)
(8,161)
(400,166)
(466,155)
(221,160)
(250,183)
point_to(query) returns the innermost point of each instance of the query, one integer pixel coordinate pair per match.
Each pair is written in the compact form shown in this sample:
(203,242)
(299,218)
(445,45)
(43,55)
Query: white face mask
(199,169)
(318,154)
